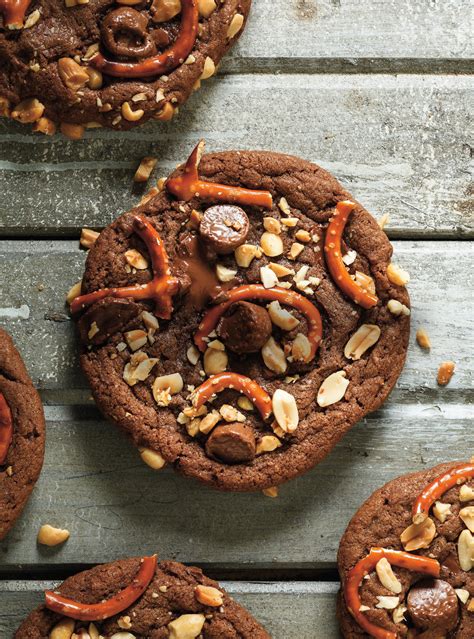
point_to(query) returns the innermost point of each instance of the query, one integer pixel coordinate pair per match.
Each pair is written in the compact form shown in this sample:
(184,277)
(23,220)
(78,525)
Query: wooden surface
(378,92)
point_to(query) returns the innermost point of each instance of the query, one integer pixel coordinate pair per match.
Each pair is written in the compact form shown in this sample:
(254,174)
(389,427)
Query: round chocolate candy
(245,327)
(232,443)
(125,34)
(106,317)
(224,227)
(433,604)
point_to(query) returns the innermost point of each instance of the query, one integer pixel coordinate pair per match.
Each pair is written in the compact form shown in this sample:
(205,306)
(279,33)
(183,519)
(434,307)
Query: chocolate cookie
(91,63)
(257,334)
(138,598)
(22,434)
(406,559)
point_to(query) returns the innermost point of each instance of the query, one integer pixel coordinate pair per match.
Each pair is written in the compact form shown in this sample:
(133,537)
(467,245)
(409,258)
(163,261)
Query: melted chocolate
(124,33)
(198,280)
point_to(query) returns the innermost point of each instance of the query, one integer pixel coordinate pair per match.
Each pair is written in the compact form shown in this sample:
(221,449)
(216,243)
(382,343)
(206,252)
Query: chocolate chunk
(106,317)
(433,603)
(233,443)
(224,227)
(124,33)
(245,328)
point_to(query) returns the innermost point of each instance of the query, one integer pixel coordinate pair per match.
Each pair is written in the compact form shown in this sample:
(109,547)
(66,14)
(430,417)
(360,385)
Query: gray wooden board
(401,145)
(311,30)
(95,485)
(295,610)
(441,275)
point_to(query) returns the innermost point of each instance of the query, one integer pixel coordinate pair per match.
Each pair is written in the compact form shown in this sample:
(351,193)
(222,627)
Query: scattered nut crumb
(50,536)
(423,339)
(445,372)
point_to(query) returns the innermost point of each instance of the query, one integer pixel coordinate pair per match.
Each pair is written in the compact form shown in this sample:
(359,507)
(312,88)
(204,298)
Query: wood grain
(400,144)
(292,610)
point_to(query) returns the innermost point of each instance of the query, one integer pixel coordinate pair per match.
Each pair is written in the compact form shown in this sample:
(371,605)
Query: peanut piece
(215,361)
(74,292)
(235,25)
(387,576)
(366,336)
(186,626)
(272,225)
(397,276)
(63,629)
(466,550)
(445,372)
(136,259)
(285,410)
(418,536)
(28,111)
(72,74)
(397,308)
(72,131)
(208,596)
(208,422)
(271,492)
(136,339)
(466,493)
(144,169)
(467,515)
(271,244)
(50,536)
(333,389)
(274,357)
(225,274)
(164,10)
(95,80)
(244,255)
(209,69)
(153,459)
(423,339)
(172,383)
(281,317)
(268,277)
(44,125)
(267,444)
(88,238)
(129,115)
(301,348)
(206,7)
(441,511)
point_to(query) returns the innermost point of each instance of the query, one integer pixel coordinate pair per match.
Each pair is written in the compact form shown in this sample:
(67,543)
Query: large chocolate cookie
(89,63)
(250,301)
(22,433)
(406,559)
(166,601)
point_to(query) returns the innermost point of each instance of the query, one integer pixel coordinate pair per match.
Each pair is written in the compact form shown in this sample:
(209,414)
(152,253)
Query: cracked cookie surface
(206,271)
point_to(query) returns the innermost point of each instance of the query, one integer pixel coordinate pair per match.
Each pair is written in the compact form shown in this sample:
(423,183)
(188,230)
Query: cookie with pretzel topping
(406,559)
(140,597)
(257,330)
(77,64)
(22,434)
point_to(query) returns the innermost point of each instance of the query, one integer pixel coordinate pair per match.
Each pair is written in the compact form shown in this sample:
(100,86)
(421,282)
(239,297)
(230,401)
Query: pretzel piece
(332,249)
(110,607)
(217,383)
(188,185)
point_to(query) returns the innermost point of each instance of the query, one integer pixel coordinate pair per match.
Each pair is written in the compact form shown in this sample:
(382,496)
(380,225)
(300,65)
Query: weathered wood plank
(294,610)
(336,29)
(95,485)
(399,143)
(38,274)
